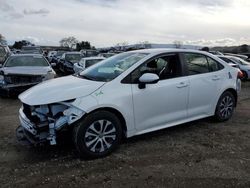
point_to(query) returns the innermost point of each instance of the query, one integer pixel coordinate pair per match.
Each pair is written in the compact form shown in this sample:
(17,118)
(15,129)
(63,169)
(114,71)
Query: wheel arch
(231,90)
(115,112)
(235,94)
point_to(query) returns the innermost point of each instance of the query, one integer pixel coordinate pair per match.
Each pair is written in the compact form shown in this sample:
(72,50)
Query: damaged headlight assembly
(2,82)
(44,121)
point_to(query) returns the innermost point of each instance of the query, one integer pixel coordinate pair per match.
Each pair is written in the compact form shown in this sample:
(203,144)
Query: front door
(160,104)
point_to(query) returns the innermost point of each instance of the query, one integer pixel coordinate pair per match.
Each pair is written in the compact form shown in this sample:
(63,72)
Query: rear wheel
(225,106)
(97,135)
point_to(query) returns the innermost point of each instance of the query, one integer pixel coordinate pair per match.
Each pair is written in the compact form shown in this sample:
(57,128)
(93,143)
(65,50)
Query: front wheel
(225,106)
(97,135)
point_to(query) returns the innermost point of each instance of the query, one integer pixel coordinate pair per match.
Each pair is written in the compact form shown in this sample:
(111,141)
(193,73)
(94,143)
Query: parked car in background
(31,50)
(216,52)
(86,62)
(89,53)
(4,53)
(229,61)
(106,55)
(21,72)
(243,65)
(129,94)
(56,58)
(51,55)
(248,56)
(68,60)
(244,57)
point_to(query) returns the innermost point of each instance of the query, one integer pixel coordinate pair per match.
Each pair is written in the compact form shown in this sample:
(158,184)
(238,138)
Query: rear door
(205,77)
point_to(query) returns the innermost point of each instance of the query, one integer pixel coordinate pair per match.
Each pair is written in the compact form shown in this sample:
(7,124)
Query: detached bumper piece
(26,138)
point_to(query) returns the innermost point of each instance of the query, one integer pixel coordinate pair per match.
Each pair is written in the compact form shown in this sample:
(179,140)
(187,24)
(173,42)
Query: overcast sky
(108,22)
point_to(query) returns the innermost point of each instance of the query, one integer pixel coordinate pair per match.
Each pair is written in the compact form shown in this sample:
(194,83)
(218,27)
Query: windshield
(91,53)
(112,67)
(90,62)
(60,53)
(17,61)
(74,58)
(240,61)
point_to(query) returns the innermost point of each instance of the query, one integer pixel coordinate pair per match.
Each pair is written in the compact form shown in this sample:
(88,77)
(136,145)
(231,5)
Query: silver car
(21,72)
(243,65)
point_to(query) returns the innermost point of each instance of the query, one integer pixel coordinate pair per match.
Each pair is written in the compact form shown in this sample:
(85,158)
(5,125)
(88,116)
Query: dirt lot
(198,154)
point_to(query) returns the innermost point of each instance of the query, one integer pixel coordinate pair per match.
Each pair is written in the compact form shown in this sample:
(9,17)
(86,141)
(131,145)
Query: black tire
(84,130)
(225,107)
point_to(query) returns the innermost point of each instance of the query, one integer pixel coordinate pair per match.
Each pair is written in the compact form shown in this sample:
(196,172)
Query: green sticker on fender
(99,93)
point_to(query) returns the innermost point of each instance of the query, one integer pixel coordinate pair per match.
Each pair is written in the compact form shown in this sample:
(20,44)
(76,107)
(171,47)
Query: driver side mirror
(147,78)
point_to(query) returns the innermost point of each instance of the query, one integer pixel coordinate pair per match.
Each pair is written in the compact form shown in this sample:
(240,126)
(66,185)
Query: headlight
(2,79)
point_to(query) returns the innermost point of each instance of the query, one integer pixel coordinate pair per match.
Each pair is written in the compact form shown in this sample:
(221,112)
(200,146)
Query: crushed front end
(42,123)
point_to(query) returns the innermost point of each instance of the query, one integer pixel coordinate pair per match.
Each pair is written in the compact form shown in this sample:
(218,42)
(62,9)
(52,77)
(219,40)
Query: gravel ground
(197,154)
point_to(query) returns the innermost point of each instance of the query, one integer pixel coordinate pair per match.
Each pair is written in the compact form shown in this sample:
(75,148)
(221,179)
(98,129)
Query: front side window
(200,64)
(166,67)
(20,61)
(110,68)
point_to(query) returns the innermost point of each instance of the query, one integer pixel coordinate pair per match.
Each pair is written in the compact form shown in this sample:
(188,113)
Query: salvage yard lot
(200,153)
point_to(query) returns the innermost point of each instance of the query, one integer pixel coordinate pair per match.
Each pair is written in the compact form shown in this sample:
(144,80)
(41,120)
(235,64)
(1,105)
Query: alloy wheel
(100,136)
(226,107)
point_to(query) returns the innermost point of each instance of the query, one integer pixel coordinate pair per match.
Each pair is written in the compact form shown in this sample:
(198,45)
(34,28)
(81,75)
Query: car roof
(155,51)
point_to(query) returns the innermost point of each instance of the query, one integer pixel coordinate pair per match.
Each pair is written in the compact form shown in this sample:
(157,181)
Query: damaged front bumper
(42,123)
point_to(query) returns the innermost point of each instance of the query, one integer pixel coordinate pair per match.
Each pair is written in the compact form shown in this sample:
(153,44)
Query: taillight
(240,74)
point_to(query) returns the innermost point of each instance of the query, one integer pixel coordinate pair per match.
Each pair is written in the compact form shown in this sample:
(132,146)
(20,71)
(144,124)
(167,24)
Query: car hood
(58,90)
(26,70)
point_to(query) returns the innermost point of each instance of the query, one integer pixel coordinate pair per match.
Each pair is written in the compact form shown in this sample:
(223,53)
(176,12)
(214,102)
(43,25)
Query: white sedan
(129,94)
(86,62)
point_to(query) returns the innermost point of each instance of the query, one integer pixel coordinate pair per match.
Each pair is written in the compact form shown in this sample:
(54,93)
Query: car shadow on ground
(65,148)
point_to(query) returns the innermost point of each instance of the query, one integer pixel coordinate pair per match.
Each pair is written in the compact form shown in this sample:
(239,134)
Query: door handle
(216,78)
(181,85)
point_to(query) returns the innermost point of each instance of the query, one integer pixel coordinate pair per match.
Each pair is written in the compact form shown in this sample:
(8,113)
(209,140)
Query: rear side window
(214,65)
(200,64)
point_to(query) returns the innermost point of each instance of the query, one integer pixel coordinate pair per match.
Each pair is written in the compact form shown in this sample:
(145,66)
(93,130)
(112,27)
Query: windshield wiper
(85,77)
